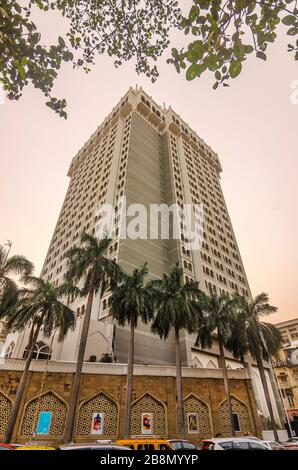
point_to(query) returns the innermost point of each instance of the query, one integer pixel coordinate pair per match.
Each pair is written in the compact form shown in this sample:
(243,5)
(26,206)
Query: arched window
(10,349)
(41,351)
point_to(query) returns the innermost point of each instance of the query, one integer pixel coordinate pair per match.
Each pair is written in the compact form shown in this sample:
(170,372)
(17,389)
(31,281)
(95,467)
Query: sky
(252,126)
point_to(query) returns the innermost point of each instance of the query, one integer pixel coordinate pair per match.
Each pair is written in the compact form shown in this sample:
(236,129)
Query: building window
(9,350)
(41,351)
(236,421)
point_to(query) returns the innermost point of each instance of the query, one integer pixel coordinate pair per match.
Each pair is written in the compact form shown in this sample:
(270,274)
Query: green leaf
(235,68)
(261,55)
(212,62)
(289,20)
(218,75)
(193,71)
(194,11)
(61,41)
(22,71)
(248,49)
(292,31)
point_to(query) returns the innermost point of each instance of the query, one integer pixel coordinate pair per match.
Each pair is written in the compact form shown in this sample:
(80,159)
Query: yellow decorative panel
(193,406)
(151,405)
(243,416)
(47,402)
(5,410)
(99,403)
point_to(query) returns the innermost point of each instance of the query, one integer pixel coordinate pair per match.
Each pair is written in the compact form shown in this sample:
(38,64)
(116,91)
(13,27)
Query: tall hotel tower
(148,154)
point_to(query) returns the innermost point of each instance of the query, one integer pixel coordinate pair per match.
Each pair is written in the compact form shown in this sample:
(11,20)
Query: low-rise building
(285,365)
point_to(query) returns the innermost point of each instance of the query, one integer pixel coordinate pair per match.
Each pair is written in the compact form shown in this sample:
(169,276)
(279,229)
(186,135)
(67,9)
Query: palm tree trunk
(20,392)
(77,378)
(129,379)
(267,395)
(29,342)
(179,386)
(226,384)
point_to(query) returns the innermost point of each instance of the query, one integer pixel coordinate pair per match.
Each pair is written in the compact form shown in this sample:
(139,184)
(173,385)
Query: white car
(107,447)
(293,442)
(272,445)
(234,443)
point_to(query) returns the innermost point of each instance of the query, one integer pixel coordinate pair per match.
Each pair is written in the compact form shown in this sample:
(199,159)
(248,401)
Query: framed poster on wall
(147,423)
(193,422)
(97,423)
(44,422)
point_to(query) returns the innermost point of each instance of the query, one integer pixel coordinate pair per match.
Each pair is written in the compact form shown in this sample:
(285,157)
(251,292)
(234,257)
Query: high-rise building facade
(148,154)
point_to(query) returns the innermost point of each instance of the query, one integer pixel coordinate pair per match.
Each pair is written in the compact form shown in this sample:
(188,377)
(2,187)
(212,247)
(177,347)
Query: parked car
(94,446)
(15,445)
(180,444)
(6,447)
(33,447)
(292,442)
(146,443)
(230,443)
(253,438)
(272,445)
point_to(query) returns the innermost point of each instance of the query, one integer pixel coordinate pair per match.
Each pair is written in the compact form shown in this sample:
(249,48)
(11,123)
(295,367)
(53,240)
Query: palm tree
(89,266)
(131,301)
(263,340)
(11,266)
(42,309)
(177,307)
(221,318)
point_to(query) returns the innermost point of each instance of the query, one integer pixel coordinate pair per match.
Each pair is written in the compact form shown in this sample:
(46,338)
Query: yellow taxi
(146,443)
(34,446)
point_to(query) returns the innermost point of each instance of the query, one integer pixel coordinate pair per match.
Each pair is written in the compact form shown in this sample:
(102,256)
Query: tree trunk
(29,342)
(267,395)
(226,384)
(21,388)
(129,379)
(179,386)
(77,378)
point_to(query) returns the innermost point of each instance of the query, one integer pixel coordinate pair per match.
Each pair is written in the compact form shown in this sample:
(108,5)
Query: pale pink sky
(252,126)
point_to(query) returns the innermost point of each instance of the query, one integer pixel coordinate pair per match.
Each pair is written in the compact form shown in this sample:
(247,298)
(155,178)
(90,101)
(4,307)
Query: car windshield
(145,447)
(176,444)
(228,445)
(274,445)
(241,445)
(256,446)
(189,445)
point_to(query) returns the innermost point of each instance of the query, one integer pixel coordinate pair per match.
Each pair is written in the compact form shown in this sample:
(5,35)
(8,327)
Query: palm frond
(18,265)
(132,298)
(41,305)
(263,339)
